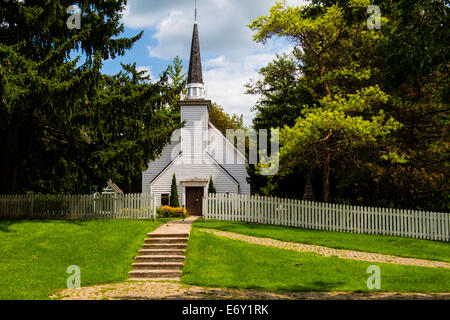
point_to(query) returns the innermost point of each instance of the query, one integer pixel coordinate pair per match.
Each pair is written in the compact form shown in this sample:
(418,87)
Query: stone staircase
(161,257)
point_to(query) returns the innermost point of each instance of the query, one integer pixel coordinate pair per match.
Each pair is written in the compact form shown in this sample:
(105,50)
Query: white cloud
(225,81)
(230,56)
(216,62)
(173,36)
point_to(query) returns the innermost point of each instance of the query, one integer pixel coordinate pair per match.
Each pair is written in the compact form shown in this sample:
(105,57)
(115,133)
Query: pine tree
(173,201)
(64,126)
(211,188)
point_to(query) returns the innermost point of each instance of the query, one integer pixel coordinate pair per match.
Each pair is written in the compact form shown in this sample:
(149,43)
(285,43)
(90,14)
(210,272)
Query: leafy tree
(280,89)
(211,188)
(64,126)
(223,121)
(347,114)
(282,94)
(174,201)
(415,58)
(374,124)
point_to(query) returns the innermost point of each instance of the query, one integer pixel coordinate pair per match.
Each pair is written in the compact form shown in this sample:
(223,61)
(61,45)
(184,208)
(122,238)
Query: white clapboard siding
(194,137)
(227,155)
(325,216)
(186,171)
(169,152)
(197,152)
(98,206)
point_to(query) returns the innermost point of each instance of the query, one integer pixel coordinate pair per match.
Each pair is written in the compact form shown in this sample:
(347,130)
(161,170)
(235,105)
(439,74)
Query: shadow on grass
(316,286)
(224,294)
(6,225)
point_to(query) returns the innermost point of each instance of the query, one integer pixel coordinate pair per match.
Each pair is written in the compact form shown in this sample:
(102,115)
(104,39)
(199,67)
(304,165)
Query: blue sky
(230,57)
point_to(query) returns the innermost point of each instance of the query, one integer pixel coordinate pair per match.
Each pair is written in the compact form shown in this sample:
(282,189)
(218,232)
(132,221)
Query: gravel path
(156,290)
(329,252)
(177,291)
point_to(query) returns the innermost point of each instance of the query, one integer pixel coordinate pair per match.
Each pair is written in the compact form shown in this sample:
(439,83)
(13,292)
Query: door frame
(196,191)
(191,183)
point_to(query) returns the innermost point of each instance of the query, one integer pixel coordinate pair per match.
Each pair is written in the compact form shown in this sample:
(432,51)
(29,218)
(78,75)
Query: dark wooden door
(194,197)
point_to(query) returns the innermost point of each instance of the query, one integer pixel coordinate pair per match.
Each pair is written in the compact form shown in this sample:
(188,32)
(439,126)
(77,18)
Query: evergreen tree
(177,79)
(173,201)
(211,188)
(64,126)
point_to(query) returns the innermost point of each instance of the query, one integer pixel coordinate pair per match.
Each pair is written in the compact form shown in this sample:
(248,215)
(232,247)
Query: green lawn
(220,262)
(405,247)
(34,254)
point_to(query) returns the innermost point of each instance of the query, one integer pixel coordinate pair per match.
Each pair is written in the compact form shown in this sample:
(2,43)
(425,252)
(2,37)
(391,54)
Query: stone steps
(154,279)
(166,240)
(161,257)
(162,252)
(155,274)
(157,265)
(168,235)
(164,246)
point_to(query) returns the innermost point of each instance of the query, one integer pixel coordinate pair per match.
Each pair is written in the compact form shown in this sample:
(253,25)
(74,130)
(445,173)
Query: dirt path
(329,252)
(178,291)
(182,226)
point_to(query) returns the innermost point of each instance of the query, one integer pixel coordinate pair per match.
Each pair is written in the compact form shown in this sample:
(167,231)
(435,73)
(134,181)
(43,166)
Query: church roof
(195,64)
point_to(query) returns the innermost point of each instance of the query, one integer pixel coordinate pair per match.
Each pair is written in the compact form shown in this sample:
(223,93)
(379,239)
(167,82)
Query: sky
(230,57)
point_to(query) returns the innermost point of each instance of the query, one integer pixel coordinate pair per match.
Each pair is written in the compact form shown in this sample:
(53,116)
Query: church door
(194,197)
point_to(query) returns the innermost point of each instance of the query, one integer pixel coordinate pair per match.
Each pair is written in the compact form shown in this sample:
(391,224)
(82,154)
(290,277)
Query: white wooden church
(196,152)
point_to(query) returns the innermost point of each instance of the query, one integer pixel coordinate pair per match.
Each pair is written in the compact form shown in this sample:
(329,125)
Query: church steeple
(195,63)
(195,87)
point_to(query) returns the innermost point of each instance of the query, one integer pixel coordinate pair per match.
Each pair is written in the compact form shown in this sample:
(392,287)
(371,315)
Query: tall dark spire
(195,63)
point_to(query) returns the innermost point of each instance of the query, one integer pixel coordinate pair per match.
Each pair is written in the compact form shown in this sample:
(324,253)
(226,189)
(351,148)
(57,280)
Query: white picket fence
(94,206)
(327,216)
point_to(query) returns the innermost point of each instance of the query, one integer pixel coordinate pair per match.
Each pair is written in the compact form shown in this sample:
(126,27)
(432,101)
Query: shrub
(169,212)
(211,188)
(174,202)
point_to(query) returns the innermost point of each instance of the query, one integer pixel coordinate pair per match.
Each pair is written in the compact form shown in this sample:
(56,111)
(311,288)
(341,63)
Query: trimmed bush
(211,188)
(170,212)
(173,201)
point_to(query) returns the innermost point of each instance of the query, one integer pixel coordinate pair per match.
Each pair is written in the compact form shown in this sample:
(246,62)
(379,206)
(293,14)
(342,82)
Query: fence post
(204,207)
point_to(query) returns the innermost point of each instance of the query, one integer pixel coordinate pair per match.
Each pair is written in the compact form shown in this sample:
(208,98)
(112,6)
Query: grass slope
(404,247)
(219,262)
(34,255)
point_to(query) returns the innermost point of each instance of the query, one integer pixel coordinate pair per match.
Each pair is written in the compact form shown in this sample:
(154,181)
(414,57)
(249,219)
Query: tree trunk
(322,74)
(326,178)
(308,194)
